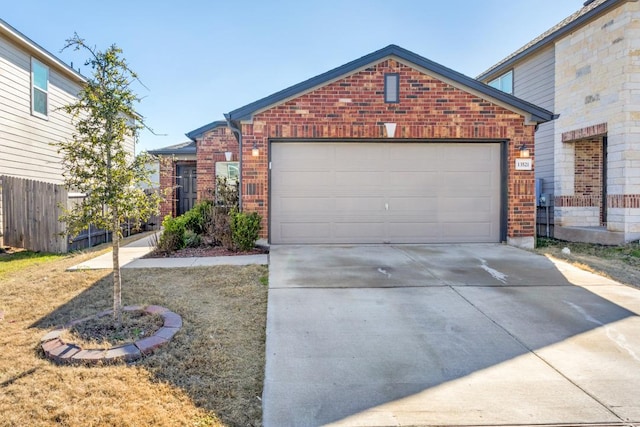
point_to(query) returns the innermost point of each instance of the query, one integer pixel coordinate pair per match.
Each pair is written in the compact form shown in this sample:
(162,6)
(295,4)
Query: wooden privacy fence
(29,218)
(30,214)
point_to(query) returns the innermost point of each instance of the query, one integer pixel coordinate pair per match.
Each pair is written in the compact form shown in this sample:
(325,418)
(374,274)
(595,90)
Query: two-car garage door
(385,192)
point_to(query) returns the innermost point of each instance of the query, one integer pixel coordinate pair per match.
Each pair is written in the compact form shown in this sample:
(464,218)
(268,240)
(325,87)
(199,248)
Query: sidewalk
(131,257)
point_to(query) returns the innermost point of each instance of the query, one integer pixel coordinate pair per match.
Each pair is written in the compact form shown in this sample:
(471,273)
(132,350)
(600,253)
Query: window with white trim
(228,170)
(504,82)
(39,89)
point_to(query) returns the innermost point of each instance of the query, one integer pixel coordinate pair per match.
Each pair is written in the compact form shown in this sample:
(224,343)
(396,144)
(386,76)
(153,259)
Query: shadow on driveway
(446,335)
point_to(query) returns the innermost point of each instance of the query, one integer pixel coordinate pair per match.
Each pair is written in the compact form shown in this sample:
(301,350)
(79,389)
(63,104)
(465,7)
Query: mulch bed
(205,251)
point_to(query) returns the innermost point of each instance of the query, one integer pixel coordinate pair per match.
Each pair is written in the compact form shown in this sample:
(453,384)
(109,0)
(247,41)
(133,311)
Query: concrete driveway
(446,335)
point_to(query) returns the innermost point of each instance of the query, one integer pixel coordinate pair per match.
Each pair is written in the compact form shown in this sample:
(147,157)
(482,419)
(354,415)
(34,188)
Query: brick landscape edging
(59,351)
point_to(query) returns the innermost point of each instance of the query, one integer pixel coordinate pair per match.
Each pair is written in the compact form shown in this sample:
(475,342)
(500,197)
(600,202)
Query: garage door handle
(386,206)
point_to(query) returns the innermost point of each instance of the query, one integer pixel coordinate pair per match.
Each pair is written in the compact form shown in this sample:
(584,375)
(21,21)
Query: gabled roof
(188,147)
(590,11)
(39,52)
(196,133)
(537,114)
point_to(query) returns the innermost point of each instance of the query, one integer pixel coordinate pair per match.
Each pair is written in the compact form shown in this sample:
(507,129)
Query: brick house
(587,70)
(188,170)
(389,148)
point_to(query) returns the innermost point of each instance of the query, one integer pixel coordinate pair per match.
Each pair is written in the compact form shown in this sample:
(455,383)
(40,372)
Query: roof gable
(585,14)
(197,133)
(536,113)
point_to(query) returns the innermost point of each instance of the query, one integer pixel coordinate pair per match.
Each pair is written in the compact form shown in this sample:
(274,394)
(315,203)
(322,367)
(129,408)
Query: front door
(186,185)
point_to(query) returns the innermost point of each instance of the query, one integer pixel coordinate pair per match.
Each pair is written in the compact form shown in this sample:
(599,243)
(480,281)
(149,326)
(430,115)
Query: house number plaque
(524,164)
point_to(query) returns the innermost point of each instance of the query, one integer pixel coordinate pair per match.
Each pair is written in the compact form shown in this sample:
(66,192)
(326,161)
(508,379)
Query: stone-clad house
(388,148)
(586,70)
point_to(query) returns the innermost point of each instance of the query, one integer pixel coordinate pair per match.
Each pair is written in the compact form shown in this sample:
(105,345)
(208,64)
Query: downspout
(238,133)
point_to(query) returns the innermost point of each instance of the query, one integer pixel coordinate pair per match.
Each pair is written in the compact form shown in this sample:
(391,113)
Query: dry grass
(211,373)
(620,263)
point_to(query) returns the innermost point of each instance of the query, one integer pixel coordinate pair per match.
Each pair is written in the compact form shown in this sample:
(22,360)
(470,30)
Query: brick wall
(354,107)
(587,185)
(210,149)
(167,182)
(588,172)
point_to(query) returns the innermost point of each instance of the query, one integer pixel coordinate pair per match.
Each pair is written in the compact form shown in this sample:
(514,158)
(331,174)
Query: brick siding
(354,107)
(210,150)
(587,191)
(167,183)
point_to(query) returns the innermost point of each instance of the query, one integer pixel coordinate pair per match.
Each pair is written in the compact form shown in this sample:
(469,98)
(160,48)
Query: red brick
(128,353)
(147,345)
(63,352)
(424,116)
(172,320)
(166,333)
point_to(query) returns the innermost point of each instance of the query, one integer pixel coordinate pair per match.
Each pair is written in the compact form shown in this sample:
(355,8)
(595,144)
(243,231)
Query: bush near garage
(210,223)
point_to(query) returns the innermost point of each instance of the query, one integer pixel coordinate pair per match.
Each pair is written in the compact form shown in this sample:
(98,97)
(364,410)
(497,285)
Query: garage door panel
(304,204)
(352,179)
(424,205)
(414,158)
(298,155)
(293,231)
(359,204)
(350,157)
(385,192)
(348,231)
(477,232)
(413,179)
(297,179)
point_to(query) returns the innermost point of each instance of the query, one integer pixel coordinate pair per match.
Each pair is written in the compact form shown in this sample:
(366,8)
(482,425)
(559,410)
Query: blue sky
(201,59)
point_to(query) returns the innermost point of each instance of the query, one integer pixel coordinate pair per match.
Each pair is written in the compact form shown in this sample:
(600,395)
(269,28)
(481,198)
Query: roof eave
(35,49)
(196,133)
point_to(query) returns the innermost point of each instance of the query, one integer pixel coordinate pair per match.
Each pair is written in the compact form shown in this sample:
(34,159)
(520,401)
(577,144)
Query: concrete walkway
(132,253)
(446,335)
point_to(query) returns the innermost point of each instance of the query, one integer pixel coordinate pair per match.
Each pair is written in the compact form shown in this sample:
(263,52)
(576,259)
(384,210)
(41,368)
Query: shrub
(197,218)
(245,229)
(191,239)
(227,193)
(172,237)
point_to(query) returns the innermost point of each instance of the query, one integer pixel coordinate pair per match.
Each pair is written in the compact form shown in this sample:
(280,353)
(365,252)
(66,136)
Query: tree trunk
(117,281)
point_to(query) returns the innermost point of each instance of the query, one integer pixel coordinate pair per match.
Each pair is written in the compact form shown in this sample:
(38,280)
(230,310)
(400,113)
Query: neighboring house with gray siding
(586,69)
(34,84)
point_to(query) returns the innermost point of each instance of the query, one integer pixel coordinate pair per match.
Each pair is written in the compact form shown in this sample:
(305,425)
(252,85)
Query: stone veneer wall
(597,84)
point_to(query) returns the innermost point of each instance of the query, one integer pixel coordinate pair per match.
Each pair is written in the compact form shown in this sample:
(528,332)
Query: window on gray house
(392,87)
(504,82)
(39,89)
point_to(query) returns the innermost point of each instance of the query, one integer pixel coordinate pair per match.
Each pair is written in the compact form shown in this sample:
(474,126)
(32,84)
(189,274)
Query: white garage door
(385,192)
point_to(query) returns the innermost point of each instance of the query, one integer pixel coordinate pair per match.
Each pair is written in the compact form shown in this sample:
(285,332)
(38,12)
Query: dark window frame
(386,88)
